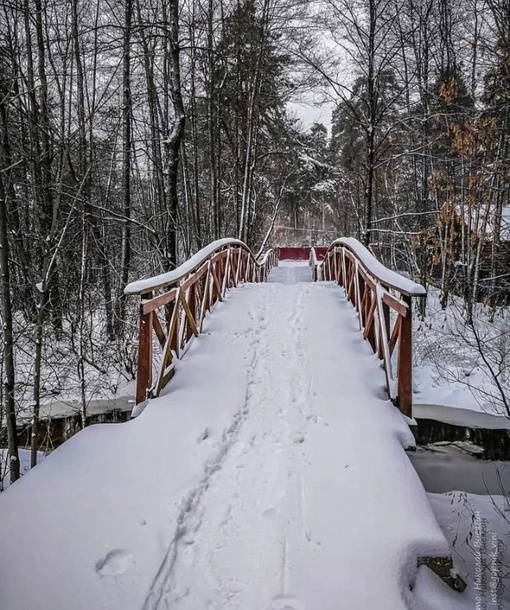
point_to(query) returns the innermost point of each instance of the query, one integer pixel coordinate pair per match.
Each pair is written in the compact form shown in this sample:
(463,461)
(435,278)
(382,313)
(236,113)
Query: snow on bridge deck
(270,475)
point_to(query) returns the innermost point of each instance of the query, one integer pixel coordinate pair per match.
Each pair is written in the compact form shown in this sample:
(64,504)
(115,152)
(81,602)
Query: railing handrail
(387,277)
(164,280)
(265,259)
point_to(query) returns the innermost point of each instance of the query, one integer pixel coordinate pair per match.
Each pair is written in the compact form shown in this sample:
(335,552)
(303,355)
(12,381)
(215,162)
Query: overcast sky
(312,113)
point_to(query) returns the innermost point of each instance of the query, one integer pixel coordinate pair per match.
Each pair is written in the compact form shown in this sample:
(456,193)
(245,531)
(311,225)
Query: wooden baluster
(226,273)
(363,300)
(235,262)
(344,270)
(193,310)
(241,265)
(405,362)
(386,311)
(248,270)
(352,282)
(372,312)
(357,287)
(173,308)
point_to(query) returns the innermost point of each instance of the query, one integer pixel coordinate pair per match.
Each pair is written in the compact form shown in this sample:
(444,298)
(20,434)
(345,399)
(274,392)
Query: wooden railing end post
(405,361)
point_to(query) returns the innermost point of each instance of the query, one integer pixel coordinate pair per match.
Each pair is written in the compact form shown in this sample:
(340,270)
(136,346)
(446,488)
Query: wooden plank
(171,347)
(367,278)
(399,306)
(194,278)
(369,328)
(216,284)
(157,302)
(351,274)
(242,263)
(160,333)
(248,272)
(344,269)
(395,334)
(191,309)
(189,315)
(235,265)
(165,377)
(226,274)
(384,348)
(206,296)
(173,325)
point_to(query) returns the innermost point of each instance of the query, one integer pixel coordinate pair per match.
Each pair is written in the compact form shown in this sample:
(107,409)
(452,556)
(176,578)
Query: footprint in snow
(115,563)
(204,435)
(283,602)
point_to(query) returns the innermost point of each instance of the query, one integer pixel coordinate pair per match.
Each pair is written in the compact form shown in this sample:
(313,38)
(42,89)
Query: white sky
(312,113)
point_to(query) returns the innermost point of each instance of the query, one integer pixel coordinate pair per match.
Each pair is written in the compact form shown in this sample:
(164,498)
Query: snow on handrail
(265,259)
(386,276)
(192,264)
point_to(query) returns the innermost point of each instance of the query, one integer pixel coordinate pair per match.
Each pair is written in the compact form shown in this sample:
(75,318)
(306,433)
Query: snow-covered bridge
(270,474)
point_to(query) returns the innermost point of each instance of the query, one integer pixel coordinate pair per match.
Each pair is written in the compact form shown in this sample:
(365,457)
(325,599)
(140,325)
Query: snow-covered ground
(477,528)
(24,459)
(270,475)
(449,369)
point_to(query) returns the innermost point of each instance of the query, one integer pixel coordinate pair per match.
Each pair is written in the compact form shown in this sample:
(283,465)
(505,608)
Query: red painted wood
(299,254)
(405,363)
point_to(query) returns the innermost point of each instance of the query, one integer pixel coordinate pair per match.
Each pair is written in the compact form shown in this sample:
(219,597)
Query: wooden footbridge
(271,473)
(173,305)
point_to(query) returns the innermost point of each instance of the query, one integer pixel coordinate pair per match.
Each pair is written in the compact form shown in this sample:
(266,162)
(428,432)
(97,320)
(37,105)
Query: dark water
(494,443)
(462,456)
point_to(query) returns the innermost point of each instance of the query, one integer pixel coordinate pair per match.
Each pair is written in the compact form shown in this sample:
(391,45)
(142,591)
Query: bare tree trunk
(370,128)
(8,365)
(176,134)
(8,350)
(127,111)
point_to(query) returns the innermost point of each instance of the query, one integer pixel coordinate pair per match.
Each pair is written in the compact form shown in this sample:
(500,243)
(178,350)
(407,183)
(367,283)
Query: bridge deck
(270,475)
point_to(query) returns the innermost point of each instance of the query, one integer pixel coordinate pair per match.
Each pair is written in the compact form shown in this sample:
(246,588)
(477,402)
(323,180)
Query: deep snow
(448,369)
(270,475)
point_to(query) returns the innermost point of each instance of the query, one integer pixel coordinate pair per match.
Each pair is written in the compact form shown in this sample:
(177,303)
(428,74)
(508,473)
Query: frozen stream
(453,467)
(462,450)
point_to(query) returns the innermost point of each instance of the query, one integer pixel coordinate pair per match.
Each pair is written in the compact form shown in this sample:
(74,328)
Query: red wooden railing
(173,305)
(382,299)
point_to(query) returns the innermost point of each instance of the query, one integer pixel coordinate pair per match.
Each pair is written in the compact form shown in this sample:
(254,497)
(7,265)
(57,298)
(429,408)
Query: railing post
(144,369)
(405,362)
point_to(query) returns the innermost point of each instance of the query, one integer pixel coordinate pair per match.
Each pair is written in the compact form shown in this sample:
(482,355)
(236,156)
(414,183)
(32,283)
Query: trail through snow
(238,520)
(271,476)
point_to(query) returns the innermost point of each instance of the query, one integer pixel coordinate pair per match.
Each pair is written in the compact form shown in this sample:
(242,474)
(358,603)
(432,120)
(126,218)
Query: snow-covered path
(271,475)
